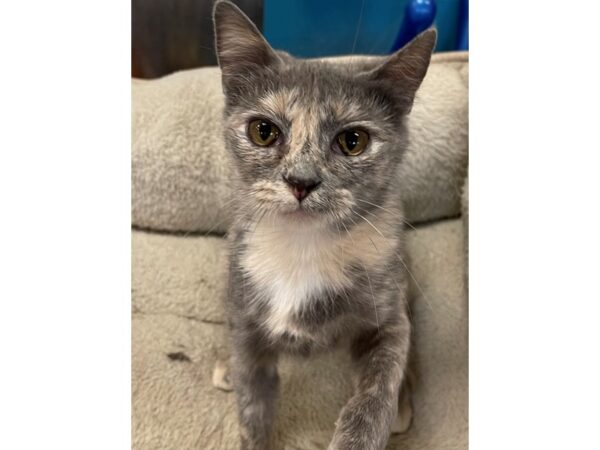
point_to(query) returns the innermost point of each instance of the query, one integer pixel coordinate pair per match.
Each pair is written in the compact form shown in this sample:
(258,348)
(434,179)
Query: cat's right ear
(406,68)
(240,47)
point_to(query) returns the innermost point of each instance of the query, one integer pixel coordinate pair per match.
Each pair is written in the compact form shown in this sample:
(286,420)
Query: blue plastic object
(418,16)
(315,28)
(463,26)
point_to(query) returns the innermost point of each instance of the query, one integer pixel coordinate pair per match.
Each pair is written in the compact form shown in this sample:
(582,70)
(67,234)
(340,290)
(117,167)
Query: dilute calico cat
(316,254)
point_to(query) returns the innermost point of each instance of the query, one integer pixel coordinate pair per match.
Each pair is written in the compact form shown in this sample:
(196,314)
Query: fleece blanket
(179,165)
(178,334)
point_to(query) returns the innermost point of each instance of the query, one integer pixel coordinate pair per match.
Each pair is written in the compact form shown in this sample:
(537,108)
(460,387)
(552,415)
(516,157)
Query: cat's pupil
(352,138)
(264,130)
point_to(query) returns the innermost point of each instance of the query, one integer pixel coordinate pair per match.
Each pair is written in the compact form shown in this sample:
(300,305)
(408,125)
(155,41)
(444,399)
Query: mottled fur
(329,270)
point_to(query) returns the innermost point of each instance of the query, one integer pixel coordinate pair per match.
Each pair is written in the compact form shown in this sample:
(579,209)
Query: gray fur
(355,209)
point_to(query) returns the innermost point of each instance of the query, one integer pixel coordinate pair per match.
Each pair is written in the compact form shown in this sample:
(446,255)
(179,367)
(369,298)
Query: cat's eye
(262,132)
(352,142)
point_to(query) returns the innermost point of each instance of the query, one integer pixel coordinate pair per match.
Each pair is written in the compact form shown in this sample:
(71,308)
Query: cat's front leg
(255,381)
(366,420)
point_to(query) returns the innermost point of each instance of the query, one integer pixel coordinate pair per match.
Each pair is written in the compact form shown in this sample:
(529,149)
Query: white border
(64,225)
(65,241)
(535,224)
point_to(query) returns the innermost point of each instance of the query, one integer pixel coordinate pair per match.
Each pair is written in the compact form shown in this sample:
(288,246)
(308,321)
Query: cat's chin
(301,215)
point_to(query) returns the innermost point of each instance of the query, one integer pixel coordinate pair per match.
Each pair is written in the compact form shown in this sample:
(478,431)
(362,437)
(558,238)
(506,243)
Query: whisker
(394,280)
(340,236)
(263,211)
(388,210)
(342,251)
(427,302)
(368,279)
(369,222)
(217,223)
(391,212)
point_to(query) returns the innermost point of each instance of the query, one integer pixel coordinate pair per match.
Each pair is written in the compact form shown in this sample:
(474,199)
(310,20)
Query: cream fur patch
(292,263)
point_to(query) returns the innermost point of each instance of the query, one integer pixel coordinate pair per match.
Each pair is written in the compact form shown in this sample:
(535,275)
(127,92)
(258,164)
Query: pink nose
(301,188)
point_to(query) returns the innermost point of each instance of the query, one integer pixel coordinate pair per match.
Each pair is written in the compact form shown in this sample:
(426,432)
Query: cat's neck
(297,250)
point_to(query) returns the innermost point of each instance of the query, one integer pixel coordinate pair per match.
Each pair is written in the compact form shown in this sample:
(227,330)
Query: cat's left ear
(241,48)
(406,68)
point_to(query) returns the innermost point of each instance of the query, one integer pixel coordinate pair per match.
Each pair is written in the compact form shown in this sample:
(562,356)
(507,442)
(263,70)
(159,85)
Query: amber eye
(262,132)
(352,142)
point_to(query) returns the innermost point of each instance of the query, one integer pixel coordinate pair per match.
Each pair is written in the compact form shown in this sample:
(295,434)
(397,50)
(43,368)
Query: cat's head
(313,140)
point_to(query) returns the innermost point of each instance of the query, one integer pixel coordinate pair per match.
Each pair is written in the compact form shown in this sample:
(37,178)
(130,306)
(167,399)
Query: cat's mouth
(279,200)
(301,212)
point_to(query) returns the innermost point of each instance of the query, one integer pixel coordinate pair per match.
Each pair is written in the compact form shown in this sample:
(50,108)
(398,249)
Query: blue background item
(463,26)
(418,16)
(312,28)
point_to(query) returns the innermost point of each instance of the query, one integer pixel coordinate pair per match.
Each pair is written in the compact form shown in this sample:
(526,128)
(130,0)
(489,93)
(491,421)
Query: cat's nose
(301,187)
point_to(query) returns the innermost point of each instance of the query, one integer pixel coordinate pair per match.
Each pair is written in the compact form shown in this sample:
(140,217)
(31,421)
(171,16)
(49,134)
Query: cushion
(179,164)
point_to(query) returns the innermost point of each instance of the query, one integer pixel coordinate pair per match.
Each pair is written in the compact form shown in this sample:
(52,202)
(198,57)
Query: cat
(316,246)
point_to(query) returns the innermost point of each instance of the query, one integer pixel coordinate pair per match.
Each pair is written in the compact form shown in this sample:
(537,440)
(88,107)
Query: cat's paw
(221,379)
(403,419)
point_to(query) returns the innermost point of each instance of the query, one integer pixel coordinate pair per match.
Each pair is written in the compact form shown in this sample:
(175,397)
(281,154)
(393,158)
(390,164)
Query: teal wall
(310,28)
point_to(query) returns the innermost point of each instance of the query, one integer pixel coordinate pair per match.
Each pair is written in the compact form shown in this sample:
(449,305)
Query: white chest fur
(291,264)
